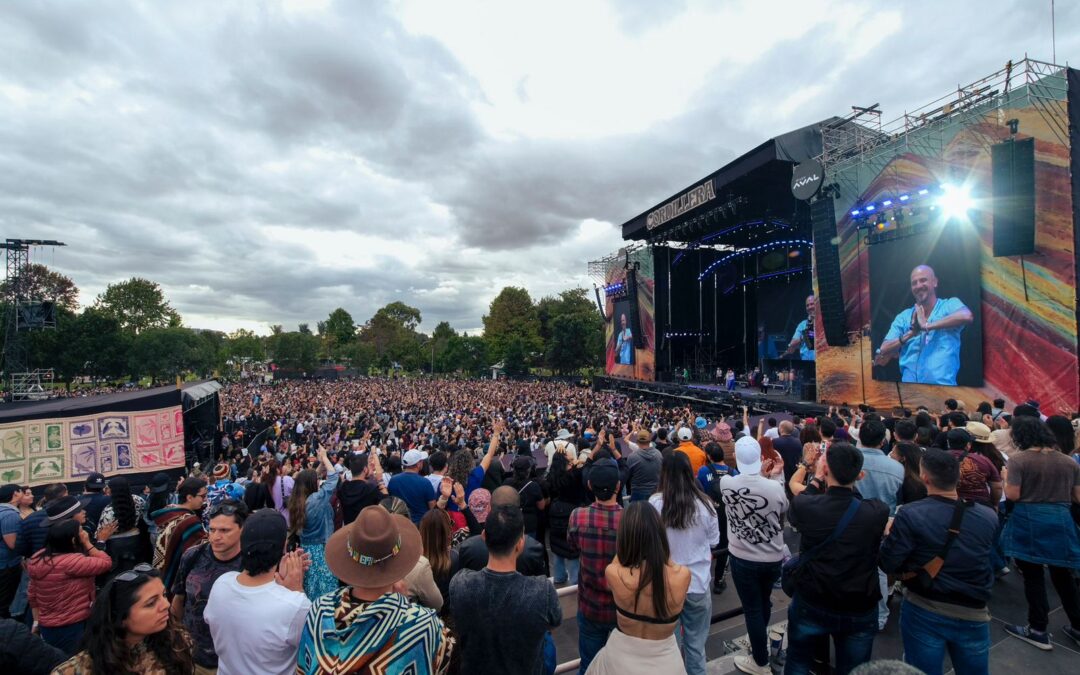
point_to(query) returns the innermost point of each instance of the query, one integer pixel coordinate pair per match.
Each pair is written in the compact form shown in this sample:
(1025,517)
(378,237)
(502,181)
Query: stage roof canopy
(136,399)
(755,185)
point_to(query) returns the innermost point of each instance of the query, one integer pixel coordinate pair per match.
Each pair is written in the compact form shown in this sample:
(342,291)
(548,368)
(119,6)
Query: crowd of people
(420,526)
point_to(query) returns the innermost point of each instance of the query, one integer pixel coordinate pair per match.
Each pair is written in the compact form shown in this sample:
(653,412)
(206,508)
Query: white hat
(748,455)
(562,435)
(685,434)
(413,457)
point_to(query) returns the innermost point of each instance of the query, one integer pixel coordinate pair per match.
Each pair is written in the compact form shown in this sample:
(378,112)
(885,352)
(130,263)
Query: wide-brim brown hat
(375,550)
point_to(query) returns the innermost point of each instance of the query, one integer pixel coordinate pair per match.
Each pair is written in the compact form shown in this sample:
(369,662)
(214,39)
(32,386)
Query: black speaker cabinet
(1014,197)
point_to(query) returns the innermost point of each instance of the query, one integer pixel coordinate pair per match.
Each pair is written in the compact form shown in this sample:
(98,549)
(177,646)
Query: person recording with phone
(926,336)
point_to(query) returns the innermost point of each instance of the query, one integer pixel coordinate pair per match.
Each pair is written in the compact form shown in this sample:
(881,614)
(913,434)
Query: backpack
(714,484)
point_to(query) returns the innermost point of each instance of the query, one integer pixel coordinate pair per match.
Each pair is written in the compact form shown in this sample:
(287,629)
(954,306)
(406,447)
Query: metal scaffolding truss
(598,268)
(860,145)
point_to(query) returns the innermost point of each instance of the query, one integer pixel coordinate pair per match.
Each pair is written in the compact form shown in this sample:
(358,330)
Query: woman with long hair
(567,492)
(61,589)
(256,494)
(649,591)
(530,494)
(692,526)
(435,531)
(311,522)
(1040,533)
(910,455)
(130,630)
(279,485)
(1063,431)
(129,545)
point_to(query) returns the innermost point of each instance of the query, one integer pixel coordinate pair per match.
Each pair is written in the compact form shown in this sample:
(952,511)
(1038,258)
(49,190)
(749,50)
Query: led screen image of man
(624,347)
(803,340)
(926,337)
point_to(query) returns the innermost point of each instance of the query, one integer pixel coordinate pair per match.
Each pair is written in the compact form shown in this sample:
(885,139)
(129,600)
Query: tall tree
(167,352)
(573,331)
(244,344)
(138,304)
(295,351)
(391,333)
(41,283)
(440,341)
(338,330)
(512,314)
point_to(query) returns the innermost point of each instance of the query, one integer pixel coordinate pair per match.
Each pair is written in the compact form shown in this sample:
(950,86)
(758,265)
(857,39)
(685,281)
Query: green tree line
(131,331)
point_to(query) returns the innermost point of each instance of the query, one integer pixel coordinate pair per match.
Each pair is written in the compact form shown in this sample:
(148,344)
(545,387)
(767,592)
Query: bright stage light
(955,201)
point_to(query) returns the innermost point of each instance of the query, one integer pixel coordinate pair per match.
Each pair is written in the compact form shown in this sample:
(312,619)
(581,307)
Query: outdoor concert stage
(978,192)
(712,398)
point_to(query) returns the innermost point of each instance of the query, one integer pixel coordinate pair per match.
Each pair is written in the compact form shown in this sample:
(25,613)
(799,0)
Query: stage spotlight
(955,201)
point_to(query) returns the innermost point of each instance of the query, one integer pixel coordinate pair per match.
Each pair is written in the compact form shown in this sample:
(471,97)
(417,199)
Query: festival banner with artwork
(66,449)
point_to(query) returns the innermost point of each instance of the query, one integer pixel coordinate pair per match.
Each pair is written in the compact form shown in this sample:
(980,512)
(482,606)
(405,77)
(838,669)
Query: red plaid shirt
(592,530)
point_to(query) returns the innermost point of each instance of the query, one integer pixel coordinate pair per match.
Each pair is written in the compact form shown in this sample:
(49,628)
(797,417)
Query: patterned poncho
(387,636)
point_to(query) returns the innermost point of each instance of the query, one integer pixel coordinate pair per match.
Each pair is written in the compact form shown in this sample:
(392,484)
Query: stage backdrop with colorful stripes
(1028,313)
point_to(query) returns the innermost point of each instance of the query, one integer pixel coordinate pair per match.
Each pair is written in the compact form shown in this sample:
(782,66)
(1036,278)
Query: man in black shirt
(836,592)
(790,449)
(500,615)
(357,494)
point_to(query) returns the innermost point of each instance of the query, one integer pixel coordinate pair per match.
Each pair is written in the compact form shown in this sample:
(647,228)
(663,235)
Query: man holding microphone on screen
(926,337)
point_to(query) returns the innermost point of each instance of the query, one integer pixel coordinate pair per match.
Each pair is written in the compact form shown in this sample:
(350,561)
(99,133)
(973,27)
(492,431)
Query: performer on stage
(803,340)
(926,336)
(624,347)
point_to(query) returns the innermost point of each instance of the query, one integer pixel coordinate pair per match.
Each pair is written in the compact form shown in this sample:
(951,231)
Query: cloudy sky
(267,162)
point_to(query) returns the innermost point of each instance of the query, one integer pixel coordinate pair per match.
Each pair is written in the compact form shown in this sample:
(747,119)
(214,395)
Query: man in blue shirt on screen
(803,340)
(926,336)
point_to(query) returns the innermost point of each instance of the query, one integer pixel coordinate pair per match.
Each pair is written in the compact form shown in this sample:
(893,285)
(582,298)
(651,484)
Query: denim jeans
(997,553)
(754,584)
(927,636)
(592,637)
(853,635)
(883,603)
(64,638)
(566,569)
(693,630)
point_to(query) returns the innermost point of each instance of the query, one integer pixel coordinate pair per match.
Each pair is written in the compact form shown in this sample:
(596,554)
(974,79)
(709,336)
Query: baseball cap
(643,438)
(413,457)
(266,529)
(748,455)
(958,438)
(685,434)
(604,477)
(95,482)
(523,463)
(701,422)
(562,435)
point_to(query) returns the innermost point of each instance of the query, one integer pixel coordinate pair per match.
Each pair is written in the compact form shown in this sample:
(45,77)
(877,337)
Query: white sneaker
(747,664)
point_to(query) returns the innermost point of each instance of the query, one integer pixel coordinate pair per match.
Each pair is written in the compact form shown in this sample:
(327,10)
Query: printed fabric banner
(67,449)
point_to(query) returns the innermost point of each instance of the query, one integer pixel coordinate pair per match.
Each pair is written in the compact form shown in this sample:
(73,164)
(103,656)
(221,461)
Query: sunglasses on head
(142,569)
(222,509)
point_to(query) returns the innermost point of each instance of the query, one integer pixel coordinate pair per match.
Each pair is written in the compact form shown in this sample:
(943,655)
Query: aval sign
(691,199)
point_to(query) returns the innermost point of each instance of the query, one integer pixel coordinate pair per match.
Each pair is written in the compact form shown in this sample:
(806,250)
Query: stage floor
(709,394)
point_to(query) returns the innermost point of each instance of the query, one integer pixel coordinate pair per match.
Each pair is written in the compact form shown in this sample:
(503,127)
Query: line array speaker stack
(830,298)
(1014,197)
